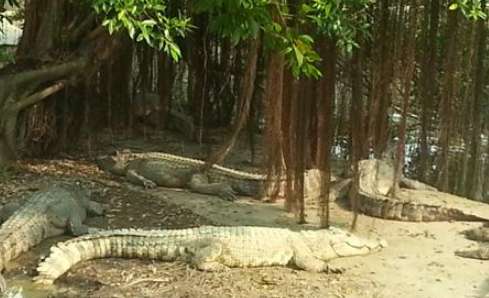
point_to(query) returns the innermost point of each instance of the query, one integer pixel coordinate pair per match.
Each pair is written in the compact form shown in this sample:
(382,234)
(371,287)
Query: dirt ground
(419,261)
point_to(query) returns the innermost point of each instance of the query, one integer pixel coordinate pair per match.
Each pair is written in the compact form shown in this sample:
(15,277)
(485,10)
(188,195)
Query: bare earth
(419,261)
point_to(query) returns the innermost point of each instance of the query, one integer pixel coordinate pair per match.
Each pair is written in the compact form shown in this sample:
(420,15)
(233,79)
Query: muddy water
(20,271)
(29,288)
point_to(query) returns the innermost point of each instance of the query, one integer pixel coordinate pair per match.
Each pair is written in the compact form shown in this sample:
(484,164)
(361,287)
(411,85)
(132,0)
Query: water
(24,287)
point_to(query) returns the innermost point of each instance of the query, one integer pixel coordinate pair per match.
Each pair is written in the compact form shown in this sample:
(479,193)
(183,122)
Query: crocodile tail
(19,233)
(63,256)
(116,243)
(482,253)
(3,284)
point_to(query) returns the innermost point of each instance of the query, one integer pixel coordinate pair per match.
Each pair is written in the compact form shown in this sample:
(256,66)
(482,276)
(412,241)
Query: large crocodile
(46,213)
(151,169)
(8,209)
(167,170)
(416,202)
(482,252)
(211,248)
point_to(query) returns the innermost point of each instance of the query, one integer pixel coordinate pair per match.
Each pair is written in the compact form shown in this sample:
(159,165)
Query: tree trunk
(428,82)
(466,110)
(299,137)
(42,76)
(475,181)
(382,75)
(356,116)
(199,62)
(246,96)
(273,118)
(448,93)
(325,101)
(406,78)
(289,107)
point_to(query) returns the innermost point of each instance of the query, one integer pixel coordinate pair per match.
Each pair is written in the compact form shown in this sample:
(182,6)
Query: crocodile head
(113,164)
(333,243)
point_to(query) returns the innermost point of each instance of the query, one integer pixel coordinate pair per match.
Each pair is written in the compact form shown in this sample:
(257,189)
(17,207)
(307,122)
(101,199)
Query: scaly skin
(167,170)
(45,214)
(152,169)
(477,234)
(375,182)
(481,253)
(211,248)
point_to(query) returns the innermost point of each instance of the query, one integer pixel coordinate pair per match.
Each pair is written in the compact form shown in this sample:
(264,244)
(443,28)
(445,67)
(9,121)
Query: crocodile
(418,203)
(46,213)
(8,209)
(481,252)
(211,248)
(151,169)
(167,170)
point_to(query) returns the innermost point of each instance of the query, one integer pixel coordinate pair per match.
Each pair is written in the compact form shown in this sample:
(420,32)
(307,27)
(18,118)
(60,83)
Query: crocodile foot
(3,284)
(227,193)
(335,269)
(149,184)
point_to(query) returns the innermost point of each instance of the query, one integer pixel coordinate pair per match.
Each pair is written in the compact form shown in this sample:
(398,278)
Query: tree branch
(38,97)
(47,74)
(83,28)
(246,96)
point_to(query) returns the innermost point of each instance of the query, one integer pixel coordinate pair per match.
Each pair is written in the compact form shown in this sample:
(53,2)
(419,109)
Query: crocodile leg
(76,226)
(478,234)
(206,256)
(58,223)
(8,209)
(95,208)
(305,259)
(200,183)
(481,253)
(3,284)
(135,178)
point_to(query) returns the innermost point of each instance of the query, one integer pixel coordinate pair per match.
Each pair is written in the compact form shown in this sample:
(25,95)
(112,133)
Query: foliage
(6,56)
(239,20)
(7,172)
(243,19)
(472,9)
(299,52)
(342,20)
(3,17)
(144,20)
(13,3)
(235,19)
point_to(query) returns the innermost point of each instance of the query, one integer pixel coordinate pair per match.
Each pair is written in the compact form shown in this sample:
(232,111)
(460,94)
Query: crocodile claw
(149,184)
(3,284)
(94,230)
(227,193)
(335,270)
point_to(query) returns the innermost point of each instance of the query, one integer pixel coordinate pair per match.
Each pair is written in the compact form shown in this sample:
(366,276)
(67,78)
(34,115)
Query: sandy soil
(419,261)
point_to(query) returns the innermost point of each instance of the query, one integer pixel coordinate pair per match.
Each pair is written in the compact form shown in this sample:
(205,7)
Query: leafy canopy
(3,17)
(144,20)
(472,9)
(285,28)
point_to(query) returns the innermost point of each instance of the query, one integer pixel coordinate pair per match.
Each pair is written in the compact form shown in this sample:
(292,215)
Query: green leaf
(453,6)
(149,22)
(111,27)
(131,30)
(298,55)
